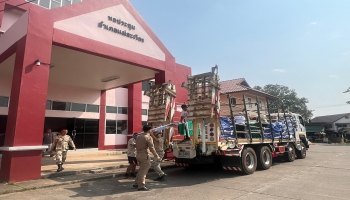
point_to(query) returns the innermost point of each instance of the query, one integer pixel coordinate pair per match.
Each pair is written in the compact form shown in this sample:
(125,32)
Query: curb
(115,175)
(70,173)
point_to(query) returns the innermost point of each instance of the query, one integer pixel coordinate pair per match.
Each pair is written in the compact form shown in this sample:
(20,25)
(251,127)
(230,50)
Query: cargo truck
(215,139)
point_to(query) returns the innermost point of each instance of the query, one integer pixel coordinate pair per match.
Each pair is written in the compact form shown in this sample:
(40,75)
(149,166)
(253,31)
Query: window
(301,120)
(91,125)
(341,125)
(122,127)
(111,109)
(117,127)
(4,101)
(122,110)
(144,112)
(44,3)
(92,108)
(144,123)
(78,107)
(111,127)
(50,4)
(260,105)
(146,85)
(56,3)
(250,103)
(65,106)
(48,105)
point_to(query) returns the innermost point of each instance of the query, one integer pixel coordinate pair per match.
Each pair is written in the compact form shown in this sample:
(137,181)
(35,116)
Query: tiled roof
(328,118)
(240,85)
(232,86)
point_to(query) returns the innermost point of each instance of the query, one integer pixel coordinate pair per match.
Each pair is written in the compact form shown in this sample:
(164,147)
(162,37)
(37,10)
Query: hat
(184,105)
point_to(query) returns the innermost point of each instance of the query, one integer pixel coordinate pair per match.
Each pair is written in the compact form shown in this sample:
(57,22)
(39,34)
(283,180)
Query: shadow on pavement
(176,178)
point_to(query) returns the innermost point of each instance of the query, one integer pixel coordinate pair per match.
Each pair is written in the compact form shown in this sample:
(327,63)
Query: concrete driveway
(324,174)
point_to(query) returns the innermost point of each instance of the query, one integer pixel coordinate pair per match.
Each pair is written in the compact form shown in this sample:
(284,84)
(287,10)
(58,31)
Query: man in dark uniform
(144,144)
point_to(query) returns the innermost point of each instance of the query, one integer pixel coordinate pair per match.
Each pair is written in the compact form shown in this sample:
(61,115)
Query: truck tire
(249,161)
(289,155)
(264,157)
(302,153)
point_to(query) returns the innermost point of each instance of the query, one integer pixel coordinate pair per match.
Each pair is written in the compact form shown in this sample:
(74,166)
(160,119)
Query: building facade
(239,89)
(75,64)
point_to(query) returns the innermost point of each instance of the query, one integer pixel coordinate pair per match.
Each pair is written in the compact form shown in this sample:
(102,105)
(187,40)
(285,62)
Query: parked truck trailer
(214,139)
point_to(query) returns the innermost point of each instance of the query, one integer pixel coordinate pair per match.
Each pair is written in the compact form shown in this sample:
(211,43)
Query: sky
(302,44)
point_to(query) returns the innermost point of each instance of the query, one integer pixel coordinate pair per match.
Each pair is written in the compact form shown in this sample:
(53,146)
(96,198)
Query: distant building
(238,88)
(336,127)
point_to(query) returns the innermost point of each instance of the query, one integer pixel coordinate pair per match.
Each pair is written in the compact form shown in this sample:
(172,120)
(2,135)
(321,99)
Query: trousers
(145,163)
(61,157)
(155,164)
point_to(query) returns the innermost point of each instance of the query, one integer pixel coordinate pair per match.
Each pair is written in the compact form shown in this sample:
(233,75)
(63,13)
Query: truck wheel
(249,161)
(302,153)
(289,155)
(264,157)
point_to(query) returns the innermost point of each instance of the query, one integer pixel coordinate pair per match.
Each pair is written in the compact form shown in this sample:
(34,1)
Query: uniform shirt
(144,144)
(47,138)
(184,114)
(159,146)
(240,119)
(131,148)
(61,143)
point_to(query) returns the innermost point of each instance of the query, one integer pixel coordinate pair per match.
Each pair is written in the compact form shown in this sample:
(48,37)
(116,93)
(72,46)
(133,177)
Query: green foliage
(291,101)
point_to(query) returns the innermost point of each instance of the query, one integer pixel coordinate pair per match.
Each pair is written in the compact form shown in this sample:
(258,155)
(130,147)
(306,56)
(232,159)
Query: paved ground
(324,174)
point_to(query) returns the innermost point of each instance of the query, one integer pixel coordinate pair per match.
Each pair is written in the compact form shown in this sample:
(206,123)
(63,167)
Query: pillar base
(19,166)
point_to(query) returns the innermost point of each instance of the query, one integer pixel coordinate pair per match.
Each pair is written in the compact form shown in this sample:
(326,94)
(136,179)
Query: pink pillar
(135,108)
(102,121)
(21,159)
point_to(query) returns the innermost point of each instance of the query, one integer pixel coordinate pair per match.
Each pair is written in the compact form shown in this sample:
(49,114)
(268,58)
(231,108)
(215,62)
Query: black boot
(133,175)
(62,166)
(59,167)
(160,178)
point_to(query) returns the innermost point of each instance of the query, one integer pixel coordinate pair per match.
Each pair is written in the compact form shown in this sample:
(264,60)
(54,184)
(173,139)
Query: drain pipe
(204,149)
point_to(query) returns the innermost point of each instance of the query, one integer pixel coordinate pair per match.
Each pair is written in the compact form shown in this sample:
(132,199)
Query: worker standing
(159,147)
(144,144)
(60,145)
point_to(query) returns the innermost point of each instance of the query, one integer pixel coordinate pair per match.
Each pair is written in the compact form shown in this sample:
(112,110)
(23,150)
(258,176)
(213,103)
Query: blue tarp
(277,127)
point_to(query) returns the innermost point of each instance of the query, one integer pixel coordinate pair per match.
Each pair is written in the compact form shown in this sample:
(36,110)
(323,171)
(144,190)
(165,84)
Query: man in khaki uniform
(144,144)
(159,146)
(61,147)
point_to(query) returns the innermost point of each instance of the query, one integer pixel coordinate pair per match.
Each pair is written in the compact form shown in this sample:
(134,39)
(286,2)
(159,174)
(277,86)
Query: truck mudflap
(232,168)
(231,163)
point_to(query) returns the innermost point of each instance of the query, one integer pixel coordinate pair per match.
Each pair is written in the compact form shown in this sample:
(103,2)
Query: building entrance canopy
(79,69)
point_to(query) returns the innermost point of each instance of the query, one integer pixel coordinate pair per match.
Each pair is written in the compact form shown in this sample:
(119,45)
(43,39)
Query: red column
(23,139)
(102,121)
(134,108)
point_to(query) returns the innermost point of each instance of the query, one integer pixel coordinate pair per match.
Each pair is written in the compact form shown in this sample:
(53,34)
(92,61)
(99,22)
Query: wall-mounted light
(38,63)
(112,78)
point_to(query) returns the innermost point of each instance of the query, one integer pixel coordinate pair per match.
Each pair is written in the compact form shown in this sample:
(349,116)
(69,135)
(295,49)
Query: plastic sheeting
(279,129)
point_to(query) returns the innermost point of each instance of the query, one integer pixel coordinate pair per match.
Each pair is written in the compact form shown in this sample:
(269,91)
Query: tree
(291,102)
(347,91)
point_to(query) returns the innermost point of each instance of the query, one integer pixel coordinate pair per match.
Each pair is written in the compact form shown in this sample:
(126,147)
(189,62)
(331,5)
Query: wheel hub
(249,160)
